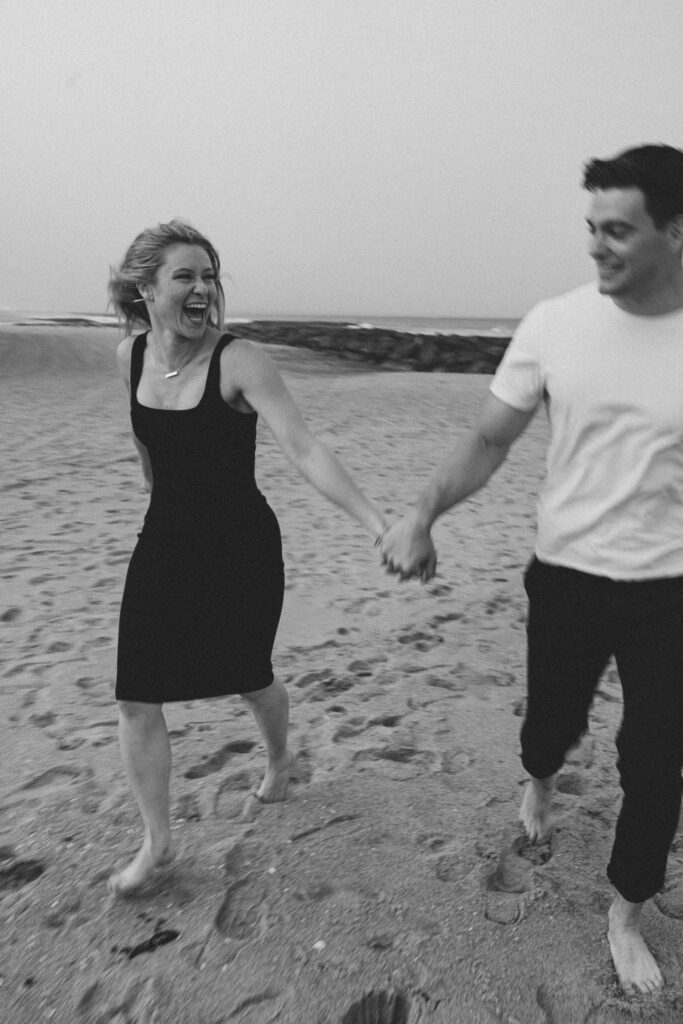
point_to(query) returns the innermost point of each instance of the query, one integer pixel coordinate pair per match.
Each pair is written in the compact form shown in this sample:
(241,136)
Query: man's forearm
(463,473)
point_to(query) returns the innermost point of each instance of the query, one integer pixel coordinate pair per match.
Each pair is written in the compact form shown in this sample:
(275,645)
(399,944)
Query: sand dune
(397,865)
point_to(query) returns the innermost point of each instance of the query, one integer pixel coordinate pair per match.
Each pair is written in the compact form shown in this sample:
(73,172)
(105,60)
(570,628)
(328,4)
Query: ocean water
(483,326)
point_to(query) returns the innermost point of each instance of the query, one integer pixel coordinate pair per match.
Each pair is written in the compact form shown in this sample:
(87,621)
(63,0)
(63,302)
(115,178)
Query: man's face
(632,255)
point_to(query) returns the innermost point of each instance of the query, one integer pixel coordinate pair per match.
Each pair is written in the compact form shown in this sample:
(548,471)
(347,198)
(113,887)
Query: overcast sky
(348,157)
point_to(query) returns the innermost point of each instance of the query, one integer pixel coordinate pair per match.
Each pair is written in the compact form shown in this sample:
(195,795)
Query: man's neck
(667,298)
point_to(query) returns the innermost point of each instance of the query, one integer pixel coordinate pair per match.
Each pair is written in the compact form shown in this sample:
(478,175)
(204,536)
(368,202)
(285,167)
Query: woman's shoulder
(123,356)
(125,347)
(246,370)
(241,353)
(235,343)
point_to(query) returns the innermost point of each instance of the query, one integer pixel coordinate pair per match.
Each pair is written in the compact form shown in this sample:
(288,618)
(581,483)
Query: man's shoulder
(572,308)
(584,297)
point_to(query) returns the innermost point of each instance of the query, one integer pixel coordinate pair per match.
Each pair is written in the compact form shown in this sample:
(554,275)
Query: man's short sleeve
(519,379)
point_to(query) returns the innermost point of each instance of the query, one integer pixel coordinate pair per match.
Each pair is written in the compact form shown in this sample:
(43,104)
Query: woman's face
(183,290)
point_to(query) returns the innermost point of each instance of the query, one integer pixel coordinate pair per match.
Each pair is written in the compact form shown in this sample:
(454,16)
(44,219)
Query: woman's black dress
(204,589)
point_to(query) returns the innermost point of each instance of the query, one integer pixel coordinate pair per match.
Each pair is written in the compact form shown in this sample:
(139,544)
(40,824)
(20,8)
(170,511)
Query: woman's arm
(251,375)
(123,355)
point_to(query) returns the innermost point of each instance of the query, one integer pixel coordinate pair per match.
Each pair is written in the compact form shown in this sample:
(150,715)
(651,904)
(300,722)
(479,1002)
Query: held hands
(407,550)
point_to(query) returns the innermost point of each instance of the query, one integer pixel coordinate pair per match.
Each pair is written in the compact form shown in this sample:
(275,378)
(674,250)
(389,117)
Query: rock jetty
(453,353)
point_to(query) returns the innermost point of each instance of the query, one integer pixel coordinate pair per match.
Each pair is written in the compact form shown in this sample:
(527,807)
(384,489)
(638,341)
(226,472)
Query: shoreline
(385,348)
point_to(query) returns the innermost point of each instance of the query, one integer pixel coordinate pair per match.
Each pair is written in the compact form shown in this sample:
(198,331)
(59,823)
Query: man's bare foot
(635,965)
(143,865)
(536,810)
(275,781)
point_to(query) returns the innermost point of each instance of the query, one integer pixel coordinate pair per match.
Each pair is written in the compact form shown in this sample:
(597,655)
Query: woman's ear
(676,232)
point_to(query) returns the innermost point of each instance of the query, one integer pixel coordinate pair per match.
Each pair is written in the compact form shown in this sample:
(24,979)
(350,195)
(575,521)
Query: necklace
(180,366)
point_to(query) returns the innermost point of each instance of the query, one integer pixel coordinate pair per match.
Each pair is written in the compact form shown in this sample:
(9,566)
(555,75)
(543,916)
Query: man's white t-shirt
(612,384)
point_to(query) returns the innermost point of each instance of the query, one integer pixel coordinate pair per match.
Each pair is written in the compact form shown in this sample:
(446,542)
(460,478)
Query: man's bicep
(500,424)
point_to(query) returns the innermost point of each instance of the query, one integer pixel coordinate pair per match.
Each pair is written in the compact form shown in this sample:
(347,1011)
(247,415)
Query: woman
(204,588)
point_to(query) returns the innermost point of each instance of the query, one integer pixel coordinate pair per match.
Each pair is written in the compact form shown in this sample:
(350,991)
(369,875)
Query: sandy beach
(394,885)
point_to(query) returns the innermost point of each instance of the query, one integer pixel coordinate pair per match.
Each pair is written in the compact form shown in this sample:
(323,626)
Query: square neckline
(190,408)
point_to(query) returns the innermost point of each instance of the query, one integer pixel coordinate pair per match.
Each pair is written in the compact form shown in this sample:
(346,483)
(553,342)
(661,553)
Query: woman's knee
(266,695)
(137,713)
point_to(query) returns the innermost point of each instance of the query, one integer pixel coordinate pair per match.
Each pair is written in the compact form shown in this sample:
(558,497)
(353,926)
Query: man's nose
(596,246)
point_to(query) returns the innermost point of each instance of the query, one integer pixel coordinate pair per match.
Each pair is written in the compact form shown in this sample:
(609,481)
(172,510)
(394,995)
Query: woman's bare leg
(146,754)
(271,711)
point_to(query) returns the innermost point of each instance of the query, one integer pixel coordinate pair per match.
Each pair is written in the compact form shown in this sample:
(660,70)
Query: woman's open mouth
(195,311)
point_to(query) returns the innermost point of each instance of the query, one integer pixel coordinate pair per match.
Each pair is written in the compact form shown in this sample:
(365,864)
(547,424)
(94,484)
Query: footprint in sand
(456,760)
(361,669)
(59,774)
(228,800)
(16,873)
(571,783)
(58,646)
(452,866)
(420,640)
(331,687)
(243,857)
(11,615)
(85,682)
(379,1007)
(309,678)
(400,759)
(453,682)
(215,762)
(387,721)
(241,915)
(187,808)
(514,877)
(439,620)
(43,719)
(499,602)
(441,590)
(347,730)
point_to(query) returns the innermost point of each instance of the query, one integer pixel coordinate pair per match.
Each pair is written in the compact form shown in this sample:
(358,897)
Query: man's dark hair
(656,170)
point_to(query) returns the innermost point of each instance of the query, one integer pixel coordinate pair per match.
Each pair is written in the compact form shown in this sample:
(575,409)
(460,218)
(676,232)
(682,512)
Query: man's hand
(408,551)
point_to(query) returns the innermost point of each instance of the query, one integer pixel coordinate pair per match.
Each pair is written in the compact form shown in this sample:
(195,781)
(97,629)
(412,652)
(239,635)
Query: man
(607,575)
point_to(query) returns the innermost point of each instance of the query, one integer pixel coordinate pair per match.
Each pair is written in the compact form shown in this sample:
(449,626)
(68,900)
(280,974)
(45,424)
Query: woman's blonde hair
(141,262)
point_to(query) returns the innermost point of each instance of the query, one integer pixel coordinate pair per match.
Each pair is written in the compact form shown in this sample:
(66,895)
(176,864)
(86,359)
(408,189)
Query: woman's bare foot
(276,781)
(146,861)
(536,810)
(635,965)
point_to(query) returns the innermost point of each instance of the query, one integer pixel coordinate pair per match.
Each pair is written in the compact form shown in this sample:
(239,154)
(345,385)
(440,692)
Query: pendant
(173,373)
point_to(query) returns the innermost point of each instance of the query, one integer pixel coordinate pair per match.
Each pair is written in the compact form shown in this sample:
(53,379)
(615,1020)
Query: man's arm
(407,547)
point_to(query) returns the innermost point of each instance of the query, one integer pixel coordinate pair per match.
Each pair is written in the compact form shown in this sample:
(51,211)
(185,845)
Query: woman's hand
(408,551)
